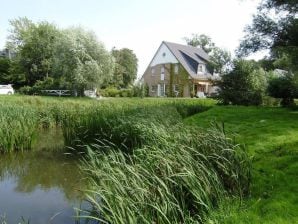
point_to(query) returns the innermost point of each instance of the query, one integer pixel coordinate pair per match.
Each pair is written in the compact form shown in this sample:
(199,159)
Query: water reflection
(40,185)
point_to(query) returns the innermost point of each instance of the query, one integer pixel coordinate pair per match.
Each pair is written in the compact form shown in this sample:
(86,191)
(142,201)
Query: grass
(144,165)
(271,139)
(81,119)
(147,167)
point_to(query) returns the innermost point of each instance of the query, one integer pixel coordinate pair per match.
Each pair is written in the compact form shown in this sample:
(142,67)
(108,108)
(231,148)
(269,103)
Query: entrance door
(161,90)
(158,90)
(201,88)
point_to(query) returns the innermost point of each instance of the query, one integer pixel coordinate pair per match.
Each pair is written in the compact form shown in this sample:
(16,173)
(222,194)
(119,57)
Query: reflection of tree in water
(43,170)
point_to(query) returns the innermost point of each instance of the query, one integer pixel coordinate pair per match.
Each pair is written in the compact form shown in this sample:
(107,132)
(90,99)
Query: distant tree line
(47,57)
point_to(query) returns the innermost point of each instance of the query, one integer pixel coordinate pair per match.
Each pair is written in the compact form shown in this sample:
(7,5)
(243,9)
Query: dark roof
(189,57)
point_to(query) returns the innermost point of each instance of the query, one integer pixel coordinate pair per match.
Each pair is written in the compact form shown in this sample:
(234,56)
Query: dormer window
(201,68)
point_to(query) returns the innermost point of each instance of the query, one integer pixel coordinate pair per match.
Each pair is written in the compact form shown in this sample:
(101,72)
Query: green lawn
(271,138)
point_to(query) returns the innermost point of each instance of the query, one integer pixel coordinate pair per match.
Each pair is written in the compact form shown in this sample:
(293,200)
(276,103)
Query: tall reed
(18,128)
(176,177)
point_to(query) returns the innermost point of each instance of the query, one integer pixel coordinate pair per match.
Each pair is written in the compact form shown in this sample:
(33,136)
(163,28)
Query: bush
(26,90)
(271,101)
(283,87)
(47,83)
(114,92)
(244,85)
(109,92)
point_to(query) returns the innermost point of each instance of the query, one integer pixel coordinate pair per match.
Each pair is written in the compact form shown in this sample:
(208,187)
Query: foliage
(220,59)
(4,70)
(18,128)
(244,85)
(140,90)
(34,44)
(274,27)
(11,73)
(80,61)
(125,68)
(284,87)
(202,41)
(73,57)
(114,92)
(25,115)
(270,135)
(145,167)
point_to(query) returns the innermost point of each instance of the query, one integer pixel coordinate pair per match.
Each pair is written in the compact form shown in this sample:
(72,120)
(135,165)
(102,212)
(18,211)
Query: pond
(42,185)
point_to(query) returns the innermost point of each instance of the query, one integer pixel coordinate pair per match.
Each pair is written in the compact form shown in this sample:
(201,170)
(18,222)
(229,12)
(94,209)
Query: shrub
(26,90)
(110,92)
(244,85)
(284,87)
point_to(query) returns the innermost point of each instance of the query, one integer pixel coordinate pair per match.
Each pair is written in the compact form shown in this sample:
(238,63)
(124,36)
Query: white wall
(160,58)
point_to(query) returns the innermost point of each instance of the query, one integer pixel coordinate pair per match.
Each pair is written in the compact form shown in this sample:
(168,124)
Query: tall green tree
(80,61)
(126,67)
(11,73)
(4,70)
(220,60)
(34,44)
(274,27)
(200,40)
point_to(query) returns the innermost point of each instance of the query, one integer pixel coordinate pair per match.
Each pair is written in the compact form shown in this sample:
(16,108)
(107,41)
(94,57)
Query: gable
(163,56)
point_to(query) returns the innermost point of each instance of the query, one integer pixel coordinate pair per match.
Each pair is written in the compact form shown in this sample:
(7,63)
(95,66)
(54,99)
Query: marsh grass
(143,163)
(270,135)
(18,128)
(21,117)
(176,176)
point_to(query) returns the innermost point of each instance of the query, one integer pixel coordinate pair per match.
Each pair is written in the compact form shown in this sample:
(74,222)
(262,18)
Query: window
(153,88)
(162,70)
(201,68)
(162,73)
(162,90)
(176,88)
(152,71)
(176,69)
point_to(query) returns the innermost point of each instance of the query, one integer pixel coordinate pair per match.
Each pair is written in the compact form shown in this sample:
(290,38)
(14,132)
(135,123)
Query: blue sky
(140,25)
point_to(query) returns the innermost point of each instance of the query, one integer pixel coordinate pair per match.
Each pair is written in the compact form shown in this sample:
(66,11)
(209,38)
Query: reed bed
(18,128)
(177,179)
(144,165)
(22,117)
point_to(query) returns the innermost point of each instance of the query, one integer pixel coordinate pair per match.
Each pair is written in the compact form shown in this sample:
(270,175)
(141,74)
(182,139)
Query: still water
(42,185)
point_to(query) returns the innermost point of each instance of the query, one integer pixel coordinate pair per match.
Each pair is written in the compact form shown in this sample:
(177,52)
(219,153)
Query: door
(161,90)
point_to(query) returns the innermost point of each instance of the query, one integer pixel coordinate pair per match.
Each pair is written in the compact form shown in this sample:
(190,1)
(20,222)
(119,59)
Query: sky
(140,25)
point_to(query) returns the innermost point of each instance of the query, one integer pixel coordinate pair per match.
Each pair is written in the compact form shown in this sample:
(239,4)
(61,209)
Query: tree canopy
(72,58)
(80,61)
(245,84)
(220,59)
(126,67)
(274,27)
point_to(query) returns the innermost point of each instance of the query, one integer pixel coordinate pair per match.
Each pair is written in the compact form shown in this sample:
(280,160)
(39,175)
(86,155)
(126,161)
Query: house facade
(179,71)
